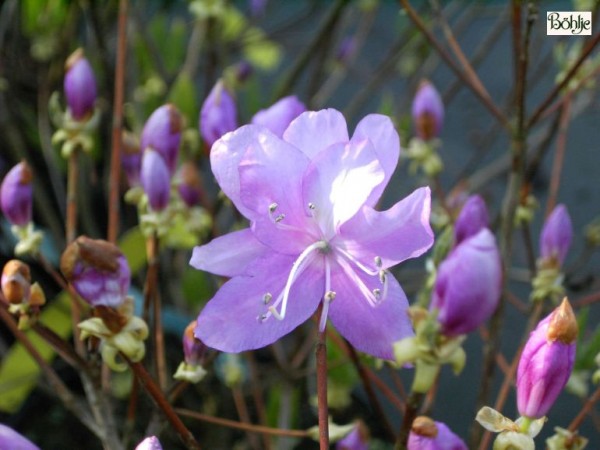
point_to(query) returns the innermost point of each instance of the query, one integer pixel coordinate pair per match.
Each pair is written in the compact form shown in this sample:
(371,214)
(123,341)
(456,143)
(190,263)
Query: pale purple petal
(314,131)
(370,329)
(11,440)
(279,115)
(218,114)
(150,443)
(338,182)
(228,255)
(380,130)
(400,233)
(231,320)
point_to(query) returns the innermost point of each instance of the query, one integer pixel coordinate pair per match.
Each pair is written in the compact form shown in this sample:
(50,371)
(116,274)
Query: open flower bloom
(314,236)
(425,434)
(79,85)
(16,194)
(279,115)
(10,439)
(546,362)
(472,218)
(556,235)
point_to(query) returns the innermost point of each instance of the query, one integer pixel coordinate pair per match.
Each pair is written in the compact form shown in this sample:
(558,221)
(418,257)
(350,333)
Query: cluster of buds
(427,434)
(16,202)
(77,123)
(24,299)
(99,273)
(544,369)
(428,118)
(555,240)
(194,352)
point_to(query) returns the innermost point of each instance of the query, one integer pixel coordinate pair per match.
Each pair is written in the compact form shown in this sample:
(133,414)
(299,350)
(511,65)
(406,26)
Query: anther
(311,206)
(267,298)
(377,293)
(378,261)
(272,207)
(279,218)
(330,296)
(262,318)
(382,276)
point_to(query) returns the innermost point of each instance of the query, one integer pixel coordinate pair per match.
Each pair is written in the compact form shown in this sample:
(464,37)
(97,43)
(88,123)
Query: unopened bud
(16,194)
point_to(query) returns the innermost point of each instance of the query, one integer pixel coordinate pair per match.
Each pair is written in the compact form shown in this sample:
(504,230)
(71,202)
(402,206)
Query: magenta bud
(556,235)
(468,284)
(16,194)
(155,179)
(190,186)
(131,158)
(279,115)
(472,218)
(425,434)
(150,443)
(218,115)
(194,350)
(162,132)
(10,439)
(427,111)
(97,270)
(357,439)
(546,362)
(79,85)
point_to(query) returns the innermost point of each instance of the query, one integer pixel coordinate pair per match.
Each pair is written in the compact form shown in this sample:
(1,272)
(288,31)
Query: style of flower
(218,114)
(426,434)
(473,217)
(16,195)
(79,86)
(315,237)
(556,235)
(427,111)
(279,115)
(546,362)
(10,439)
(468,284)
(162,132)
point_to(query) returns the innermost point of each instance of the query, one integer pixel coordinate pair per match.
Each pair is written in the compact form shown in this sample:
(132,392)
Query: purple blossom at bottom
(16,194)
(468,284)
(472,217)
(150,443)
(11,440)
(556,235)
(315,237)
(429,435)
(279,115)
(546,362)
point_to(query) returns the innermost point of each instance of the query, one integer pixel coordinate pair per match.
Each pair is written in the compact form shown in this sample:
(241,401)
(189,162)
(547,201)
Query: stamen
(311,206)
(378,261)
(267,298)
(361,285)
(358,264)
(272,207)
(377,293)
(328,298)
(279,218)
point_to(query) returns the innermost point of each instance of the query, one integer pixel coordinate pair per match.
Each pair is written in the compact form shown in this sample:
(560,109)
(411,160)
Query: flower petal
(400,233)
(371,329)
(380,130)
(230,321)
(228,255)
(314,131)
(338,182)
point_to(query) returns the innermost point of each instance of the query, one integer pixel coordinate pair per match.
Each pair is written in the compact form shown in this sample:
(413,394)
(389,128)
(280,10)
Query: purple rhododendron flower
(556,235)
(357,439)
(427,111)
(79,85)
(472,218)
(546,362)
(11,440)
(162,132)
(314,235)
(468,284)
(218,115)
(155,179)
(150,443)
(16,194)
(279,115)
(426,434)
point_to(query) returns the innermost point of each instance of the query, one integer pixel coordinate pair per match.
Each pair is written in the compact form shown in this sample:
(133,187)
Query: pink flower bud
(468,284)
(427,111)
(425,434)
(16,194)
(546,362)
(190,186)
(357,439)
(150,443)
(194,350)
(131,158)
(218,115)
(472,218)
(97,270)
(279,115)
(79,85)
(162,132)
(155,179)
(10,439)
(556,235)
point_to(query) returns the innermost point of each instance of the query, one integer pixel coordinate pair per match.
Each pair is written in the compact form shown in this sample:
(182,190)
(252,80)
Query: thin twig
(585,410)
(559,156)
(242,410)
(412,409)
(323,411)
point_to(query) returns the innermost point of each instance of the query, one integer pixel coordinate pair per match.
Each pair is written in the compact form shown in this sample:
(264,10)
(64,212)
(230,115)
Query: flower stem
(321,355)
(73,176)
(410,412)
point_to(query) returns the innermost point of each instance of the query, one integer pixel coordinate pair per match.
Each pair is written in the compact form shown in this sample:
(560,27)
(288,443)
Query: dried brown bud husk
(16,279)
(563,324)
(424,426)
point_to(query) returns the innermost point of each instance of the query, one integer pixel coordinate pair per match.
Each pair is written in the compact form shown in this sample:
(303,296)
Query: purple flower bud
(190,186)
(218,115)
(16,194)
(194,350)
(279,115)
(97,270)
(131,158)
(79,85)
(243,70)
(357,439)
(345,50)
(556,235)
(468,284)
(156,180)
(16,281)
(10,439)
(427,111)
(150,443)
(472,218)
(546,362)
(425,434)
(162,132)
(257,7)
